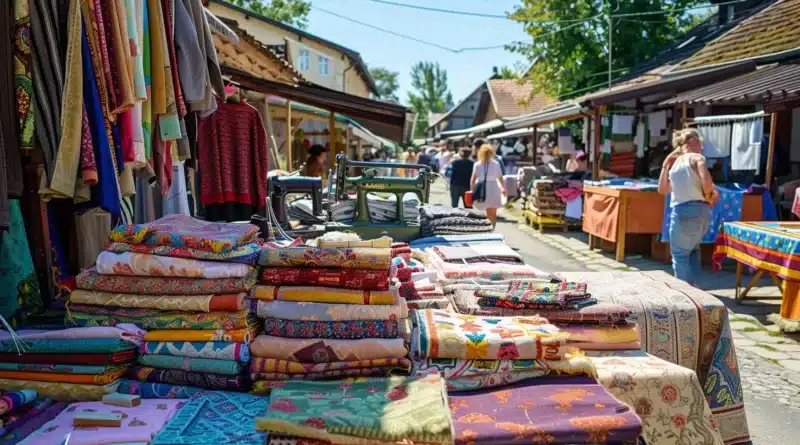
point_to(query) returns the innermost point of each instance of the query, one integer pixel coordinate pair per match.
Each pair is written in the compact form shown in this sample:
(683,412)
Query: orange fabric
(790,306)
(85,379)
(600,217)
(227,303)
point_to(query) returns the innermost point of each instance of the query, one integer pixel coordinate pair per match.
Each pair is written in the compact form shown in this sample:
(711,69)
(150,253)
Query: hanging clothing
(716,140)
(10,158)
(169,127)
(642,138)
(565,144)
(17,275)
(206,41)
(120,47)
(147,105)
(22,70)
(176,201)
(657,122)
(190,58)
(622,124)
(746,144)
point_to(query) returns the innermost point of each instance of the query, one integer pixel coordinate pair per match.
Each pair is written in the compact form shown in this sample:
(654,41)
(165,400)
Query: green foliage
(430,92)
(573,55)
(386,81)
(508,73)
(291,12)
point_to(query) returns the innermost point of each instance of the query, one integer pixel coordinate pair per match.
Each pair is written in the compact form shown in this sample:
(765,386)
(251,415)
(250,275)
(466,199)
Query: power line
(445,11)
(666,11)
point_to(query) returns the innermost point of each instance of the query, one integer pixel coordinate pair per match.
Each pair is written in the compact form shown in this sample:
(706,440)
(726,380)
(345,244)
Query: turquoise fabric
(77,346)
(149,390)
(66,369)
(18,281)
(212,366)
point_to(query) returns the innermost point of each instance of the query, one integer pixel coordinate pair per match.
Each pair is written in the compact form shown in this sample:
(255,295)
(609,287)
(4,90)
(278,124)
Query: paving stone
(787,347)
(791,364)
(761,352)
(743,342)
(741,325)
(762,337)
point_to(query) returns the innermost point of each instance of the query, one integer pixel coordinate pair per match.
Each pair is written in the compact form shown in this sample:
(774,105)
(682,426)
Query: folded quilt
(245,254)
(216,350)
(84,315)
(362,279)
(432,212)
(392,410)
(435,303)
(468,254)
(185,231)
(79,346)
(603,346)
(127,332)
(89,279)
(110,358)
(228,367)
(241,335)
(205,380)
(83,379)
(63,369)
(146,265)
(440,334)
(261,365)
(383,241)
(486,270)
(307,256)
(523,288)
(602,334)
(67,392)
(345,330)
(547,301)
(459,368)
(333,374)
(149,390)
(316,294)
(293,310)
(322,350)
(196,303)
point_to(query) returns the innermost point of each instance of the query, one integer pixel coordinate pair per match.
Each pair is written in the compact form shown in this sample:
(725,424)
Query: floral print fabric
(314,294)
(146,265)
(188,232)
(205,380)
(217,350)
(362,412)
(246,254)
(88,316)
(261,367)
(67,392)
(197,303)
(89,279)
(363,279)
(242,335)
(148,390)
(229,367)
(307,256)
(323,350)
(354,329)
(295,310)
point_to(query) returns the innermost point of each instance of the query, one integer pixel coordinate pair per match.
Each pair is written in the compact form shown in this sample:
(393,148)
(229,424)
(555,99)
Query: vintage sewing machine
(370,182)
(283,190)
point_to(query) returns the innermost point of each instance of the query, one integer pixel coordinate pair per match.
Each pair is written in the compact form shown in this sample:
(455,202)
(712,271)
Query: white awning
(562,111)
(521,132)
(457,138)
(476,129)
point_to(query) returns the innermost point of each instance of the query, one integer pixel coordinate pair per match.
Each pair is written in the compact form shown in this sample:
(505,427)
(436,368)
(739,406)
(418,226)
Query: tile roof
(771,31)
(511,98)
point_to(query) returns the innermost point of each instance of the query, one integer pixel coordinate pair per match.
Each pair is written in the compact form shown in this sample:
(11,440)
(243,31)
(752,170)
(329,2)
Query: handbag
(479,191)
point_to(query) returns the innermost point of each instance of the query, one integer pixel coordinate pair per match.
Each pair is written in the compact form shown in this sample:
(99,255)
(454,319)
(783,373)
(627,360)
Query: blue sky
(465,70)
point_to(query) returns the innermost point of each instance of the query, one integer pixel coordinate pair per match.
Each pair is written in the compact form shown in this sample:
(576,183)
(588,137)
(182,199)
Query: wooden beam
(271,141)
(684,117)
(773,128)
(596,149)
(289,136)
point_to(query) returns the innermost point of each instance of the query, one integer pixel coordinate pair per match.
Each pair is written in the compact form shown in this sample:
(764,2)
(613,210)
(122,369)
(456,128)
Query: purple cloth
(552,410)
(33,424)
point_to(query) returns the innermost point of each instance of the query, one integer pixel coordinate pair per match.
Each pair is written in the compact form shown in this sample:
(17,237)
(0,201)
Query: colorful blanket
(196,303)
(228,367)
(307,256)
(242,335)
(601,334)
(362,279)
(139,424)
(773,247)
(44,411)
(89,279)
(67,392)
(206,380)
(72,346)
(146,265)
(440,334)
(15,399)
(185,231)
(383,241)
(538,294)
(214,418)
(480,252)
(344,330)
(246,254)
(315,294)
(82,379)
(391,410)
(127,332)
(553,410)
(110,358)
(547,302)
(294,310)
(323,350)
(84,315)
(64,369)
(259,367)
(148,390)
(216,350)
(457,369)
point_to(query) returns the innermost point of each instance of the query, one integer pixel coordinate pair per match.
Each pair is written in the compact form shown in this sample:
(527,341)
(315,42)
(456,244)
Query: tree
(386,81)
(291,12)
(572,55)
(430,94)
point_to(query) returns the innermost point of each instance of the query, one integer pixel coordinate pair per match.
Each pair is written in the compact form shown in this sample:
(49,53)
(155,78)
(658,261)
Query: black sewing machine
(286,190)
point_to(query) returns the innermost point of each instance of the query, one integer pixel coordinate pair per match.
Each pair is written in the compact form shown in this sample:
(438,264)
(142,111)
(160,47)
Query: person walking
(685,176)
(487,169)
(460,174)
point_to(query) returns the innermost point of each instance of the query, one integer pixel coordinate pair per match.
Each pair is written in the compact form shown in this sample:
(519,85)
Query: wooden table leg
(756,278)
(591,242)
(739,269)
(777,282)
(622,223)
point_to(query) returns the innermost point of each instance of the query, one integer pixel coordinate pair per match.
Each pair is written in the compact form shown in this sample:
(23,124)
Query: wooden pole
(359,155)
(684,117)
(596,149)
(288,142)
(773,128)
(332,139)
(535,143)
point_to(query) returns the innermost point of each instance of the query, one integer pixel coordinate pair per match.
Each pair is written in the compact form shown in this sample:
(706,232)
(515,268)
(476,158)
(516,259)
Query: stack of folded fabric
(21,422)
(419,287)
(543,201)
(473,352)
(70,364)
(380,209)
(438,220)
(471,253)
(185,281)
(482,268)
(348,323)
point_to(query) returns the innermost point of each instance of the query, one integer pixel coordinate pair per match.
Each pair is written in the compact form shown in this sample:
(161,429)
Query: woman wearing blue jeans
(685,175)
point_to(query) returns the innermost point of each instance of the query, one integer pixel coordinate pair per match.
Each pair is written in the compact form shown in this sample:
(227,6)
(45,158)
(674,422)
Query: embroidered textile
(391,409)
(294,310)
(307,256)
(148,390)
(64,369)
(439,334)
(323,350)
(67,392)
(205,380)
(548,302)
(15,399)
(242,335)
(84,315)
(554,410)
(383,241)
(83,379)
(146,265)
(455,369)
(314,294)
(216,350)
(185,231)
(111,358)
(196,303)
(385,367)
(245,254)
(354,329)
(362,279)
(214,418)
(89,279)
(76,345)
(229,367)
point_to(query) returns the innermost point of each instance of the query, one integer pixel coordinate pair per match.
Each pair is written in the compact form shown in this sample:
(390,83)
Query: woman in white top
(487,167)
(685,175)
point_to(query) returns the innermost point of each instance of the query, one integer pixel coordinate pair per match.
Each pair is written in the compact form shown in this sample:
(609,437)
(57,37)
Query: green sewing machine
(369,182)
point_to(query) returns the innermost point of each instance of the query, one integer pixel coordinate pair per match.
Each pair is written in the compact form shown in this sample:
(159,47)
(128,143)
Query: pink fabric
(124,331)
(796,204)
(139,424)
(568,193)
(126,137)
(592,346)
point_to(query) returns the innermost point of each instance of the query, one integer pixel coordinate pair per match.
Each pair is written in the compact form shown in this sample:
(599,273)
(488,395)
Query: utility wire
(445,11)
(666,11)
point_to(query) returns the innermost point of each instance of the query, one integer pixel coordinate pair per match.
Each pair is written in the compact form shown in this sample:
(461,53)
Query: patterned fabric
(489,271)
(127,332)
(188,232)
(354,329)
(83,379)
(89,279)
(182,377)
(439,334)
(602,334)
(558,295)
(553,410)
(245,254)
(67,392)
(457,369)
(147,390)
(243,335)
(668,398)
(499,252)
(15,399)
(322,350)
(307,256)
(84,315)
(772,247)
(22,69)
(362,279)
(728,208)
(216,350)
(31,422)
(436,303)
(228,367)
(196,303)
(383,241)
(78,346)
(64,369)
(17,275)
(392,409)
(291,310)
(214,418)
(146,265)
(112,358)
(547,302)
(315,294)
(260,366)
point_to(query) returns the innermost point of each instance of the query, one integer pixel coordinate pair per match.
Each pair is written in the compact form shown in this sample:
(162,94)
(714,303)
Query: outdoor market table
(685,326)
